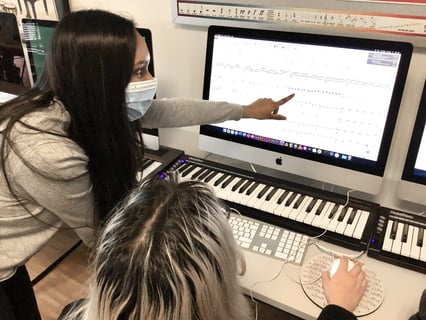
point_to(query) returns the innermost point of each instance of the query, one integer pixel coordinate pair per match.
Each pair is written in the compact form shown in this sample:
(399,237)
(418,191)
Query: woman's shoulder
(41,140)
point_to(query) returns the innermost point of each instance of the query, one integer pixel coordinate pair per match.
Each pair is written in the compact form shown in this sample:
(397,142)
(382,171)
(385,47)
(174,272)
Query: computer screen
(14,76)
(339,124)
(37,35)
(413,182)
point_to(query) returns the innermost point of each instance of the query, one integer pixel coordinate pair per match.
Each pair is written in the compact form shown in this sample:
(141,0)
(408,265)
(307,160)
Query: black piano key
(352,216)
(311,205)
(188,171)
(183,167)
(210,176)
(252,187)
(320,208)
(394,229)
(245,186)
(420,237)
(282,197)
(333,211)
(196,174)
(263,191)
(271,194)
(290,199)
(220,180)
(204,174)
(298,202)
(343,214)
(404,233)
(237,185)
(227,181)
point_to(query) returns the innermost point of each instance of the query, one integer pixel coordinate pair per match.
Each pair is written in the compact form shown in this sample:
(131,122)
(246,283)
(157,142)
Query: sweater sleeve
(179,112)
(333,312)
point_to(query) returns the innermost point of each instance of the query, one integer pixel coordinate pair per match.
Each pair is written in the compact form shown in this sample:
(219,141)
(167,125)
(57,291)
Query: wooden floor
(67,282)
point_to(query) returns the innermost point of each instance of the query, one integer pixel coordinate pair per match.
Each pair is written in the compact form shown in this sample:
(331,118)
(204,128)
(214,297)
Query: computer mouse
(335,265)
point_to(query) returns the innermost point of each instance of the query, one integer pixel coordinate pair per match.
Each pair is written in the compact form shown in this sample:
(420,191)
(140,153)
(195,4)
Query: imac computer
(339,124)
(412,186)
(37,34)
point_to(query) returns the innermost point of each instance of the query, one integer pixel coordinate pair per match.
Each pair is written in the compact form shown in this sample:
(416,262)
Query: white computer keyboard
(268,240)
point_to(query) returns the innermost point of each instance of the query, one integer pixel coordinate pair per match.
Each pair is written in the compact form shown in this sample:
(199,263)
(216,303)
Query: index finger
(286,99)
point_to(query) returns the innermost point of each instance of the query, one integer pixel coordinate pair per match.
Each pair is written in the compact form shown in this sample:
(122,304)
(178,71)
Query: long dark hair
(87,67)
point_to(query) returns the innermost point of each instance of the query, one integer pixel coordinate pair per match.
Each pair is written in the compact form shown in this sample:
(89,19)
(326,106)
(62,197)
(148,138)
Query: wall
(179,65)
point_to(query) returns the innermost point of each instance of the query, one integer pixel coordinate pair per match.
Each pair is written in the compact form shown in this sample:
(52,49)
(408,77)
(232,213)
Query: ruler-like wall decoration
(411,25)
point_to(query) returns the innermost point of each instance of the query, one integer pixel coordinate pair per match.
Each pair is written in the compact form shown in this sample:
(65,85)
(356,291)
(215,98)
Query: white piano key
(406,246)
(259,201)
(280,207)
(311,215)
(387,241)
(332,226)
(227,191)
(300,213)
(342,224)
(318,217)
(360,226)
(288,208)
(147,171)
(323,224)
(251,199)
(350,228)
(397,244)
(415,249)
(270,205)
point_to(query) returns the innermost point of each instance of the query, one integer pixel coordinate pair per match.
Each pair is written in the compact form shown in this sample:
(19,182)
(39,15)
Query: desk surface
(403,287)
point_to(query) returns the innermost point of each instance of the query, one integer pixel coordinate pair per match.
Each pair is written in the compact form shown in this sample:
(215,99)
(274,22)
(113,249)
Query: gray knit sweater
(56,187)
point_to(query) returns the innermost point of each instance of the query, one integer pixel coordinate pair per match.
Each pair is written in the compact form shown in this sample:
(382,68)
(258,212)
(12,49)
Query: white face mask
(139,97)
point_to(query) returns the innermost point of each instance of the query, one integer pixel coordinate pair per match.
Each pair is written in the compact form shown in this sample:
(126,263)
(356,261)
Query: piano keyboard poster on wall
(390,18)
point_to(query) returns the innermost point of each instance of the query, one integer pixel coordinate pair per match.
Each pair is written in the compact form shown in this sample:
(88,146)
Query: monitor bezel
(408,172)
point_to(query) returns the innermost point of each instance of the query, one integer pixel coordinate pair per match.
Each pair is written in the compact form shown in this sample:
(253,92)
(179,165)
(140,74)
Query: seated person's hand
(265,109)
(345,288)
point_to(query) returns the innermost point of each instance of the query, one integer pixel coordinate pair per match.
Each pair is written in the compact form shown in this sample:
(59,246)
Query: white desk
(403,287)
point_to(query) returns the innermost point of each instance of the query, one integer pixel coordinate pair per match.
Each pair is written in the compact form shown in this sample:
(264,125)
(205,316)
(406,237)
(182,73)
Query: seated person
(168,253)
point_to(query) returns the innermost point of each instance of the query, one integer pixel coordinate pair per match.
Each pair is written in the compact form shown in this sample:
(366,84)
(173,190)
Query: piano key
(301,211)
(360,226)
(311,205)
(342,225)
(271,194)
(387,240)
(406,245)
(197,173)
(210,176)
(396,247)
(187,171)
(319,217)
(415,248)
(204,174)
(332,226)
(270,205)
(220,179)
(311,214)
(252,194)
(394,229)
(404,233)
(420,237)
(352,223)
(261,197)
(238,185)
(343,213)
(325,221)
(183,167)
(281,202)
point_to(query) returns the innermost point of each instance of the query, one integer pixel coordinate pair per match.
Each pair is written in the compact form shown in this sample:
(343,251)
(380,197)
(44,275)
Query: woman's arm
(180,112)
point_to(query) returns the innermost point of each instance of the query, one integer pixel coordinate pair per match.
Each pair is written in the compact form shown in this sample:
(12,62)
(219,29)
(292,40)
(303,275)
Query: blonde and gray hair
(166,253)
